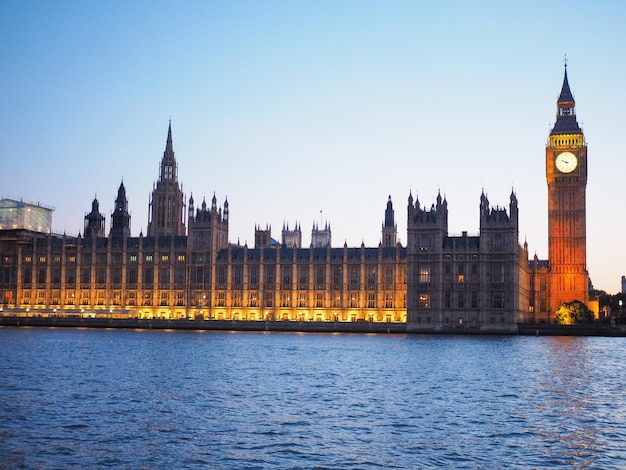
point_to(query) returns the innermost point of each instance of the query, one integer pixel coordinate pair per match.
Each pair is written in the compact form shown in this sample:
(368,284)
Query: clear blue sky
(289,108)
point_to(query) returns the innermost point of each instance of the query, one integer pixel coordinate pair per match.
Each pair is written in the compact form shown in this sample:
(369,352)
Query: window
(371,276)
(354,276)
(164,276)
(319,299)
(388,276)
(254,275)
(303,272)
(165,258)
(101,276)
(461,274)
(254,299)
(424,275)
(133,258)
(237,276)
(474,299)
(388,300)
(181,258)
(237,298)
(423,301)
(497,300)
(320,275)
(337,281)
(286,274)
(221,275)
(221,299)
(354,300)
(270,275)
(132,276)
(148,276)
(371,300)
(461,300)
(302,299)
(285,299)
(148,259)
(180,275)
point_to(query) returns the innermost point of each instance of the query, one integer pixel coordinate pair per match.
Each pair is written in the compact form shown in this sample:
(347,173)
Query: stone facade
(437,282)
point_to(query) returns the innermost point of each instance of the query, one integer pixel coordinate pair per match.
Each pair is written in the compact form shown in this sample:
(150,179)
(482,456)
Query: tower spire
(169,147)
(566,110)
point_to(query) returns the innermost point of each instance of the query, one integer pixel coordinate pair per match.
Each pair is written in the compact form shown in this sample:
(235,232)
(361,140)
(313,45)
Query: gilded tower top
(565,111)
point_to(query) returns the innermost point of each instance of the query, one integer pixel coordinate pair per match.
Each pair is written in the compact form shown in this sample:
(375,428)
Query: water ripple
(137,399)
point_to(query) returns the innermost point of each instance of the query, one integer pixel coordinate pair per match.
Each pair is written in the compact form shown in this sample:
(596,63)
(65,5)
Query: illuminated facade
(192,271)
(566,174)
(563,277)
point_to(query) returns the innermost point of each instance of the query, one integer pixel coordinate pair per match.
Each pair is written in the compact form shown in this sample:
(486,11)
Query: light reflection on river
(149,399)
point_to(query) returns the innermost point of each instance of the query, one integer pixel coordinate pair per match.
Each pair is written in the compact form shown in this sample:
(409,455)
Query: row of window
(461,300)
(460,273)
(102,259)
(163,298)
(99,275)
(302,274)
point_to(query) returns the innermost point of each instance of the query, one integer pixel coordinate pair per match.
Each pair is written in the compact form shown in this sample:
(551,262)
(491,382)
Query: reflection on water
(134,399)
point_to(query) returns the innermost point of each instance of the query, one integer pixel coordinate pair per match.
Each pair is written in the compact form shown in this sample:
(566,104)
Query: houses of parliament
(186,267)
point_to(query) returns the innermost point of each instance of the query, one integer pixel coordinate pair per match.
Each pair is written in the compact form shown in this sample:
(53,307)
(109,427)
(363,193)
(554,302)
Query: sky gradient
(314,111)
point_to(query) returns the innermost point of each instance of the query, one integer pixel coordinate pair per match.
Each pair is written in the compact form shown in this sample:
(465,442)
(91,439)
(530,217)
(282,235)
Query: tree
(573,313)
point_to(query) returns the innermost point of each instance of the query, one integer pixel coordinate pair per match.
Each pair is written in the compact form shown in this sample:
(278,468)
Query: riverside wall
(305,326)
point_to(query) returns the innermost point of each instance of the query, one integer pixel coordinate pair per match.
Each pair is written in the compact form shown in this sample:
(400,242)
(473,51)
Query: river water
(73,398)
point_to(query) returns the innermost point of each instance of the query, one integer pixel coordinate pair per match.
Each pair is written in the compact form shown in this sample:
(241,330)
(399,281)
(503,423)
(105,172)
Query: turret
(120,219)
(390,229)
(94,221)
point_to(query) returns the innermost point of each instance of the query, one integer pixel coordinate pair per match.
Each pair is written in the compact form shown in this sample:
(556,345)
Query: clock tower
(566,175)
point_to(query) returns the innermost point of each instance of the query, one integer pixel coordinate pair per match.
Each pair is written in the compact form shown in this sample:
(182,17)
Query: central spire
(566,94)
(168,163)
(169,147)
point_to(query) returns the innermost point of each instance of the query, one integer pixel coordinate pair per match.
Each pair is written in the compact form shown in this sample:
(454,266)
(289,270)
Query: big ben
(566,174)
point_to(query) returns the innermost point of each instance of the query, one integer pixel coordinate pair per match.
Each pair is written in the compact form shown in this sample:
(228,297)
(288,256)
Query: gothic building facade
(190,269)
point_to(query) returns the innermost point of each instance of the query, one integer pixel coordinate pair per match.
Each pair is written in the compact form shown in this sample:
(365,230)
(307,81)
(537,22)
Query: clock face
(566,162)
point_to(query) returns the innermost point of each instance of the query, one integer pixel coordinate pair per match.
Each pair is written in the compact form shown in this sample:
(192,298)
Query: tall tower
(566,174)
(167,205)
(120,219)
(390,229)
